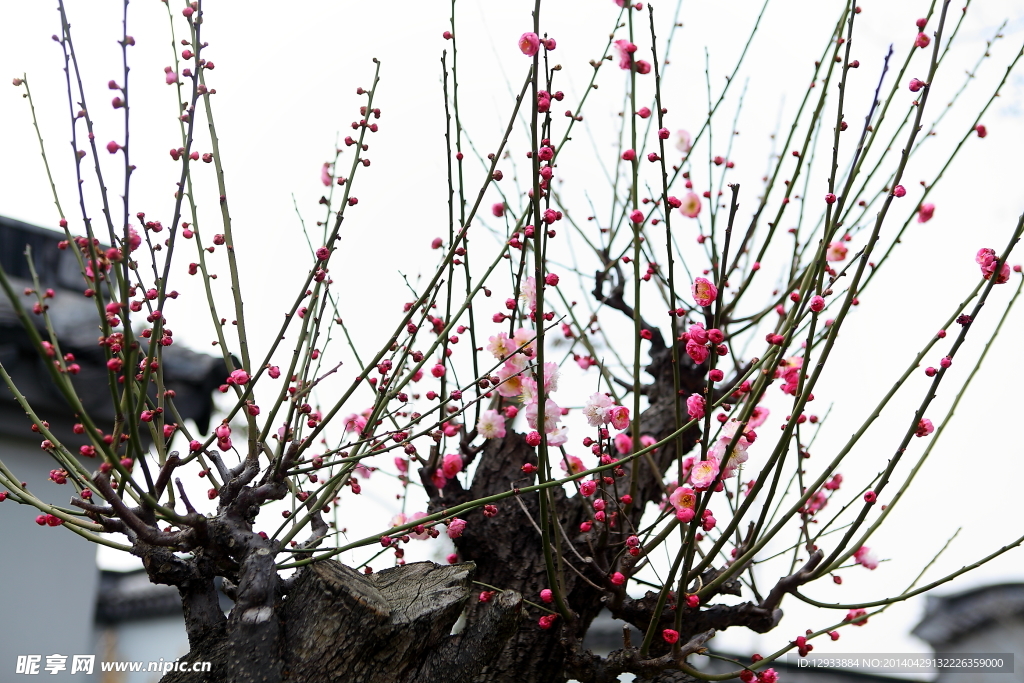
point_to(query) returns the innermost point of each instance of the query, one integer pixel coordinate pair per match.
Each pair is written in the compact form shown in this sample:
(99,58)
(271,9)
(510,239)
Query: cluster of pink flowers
(514,383)
(600,410)
(626,61)
(987,259)
(451,465)
(701,474)
(699,341)
(789,371)
(401,518)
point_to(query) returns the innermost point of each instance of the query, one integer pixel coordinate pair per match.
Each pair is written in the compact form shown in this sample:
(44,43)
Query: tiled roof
(948,618)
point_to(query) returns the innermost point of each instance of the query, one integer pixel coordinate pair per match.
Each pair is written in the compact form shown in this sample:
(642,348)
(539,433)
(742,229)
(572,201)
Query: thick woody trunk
(336,624)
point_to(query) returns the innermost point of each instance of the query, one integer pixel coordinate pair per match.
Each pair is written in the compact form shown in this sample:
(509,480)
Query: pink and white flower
(491,425)
(500,346)
(836,252)
(864,557)
(691,205)
(683,141)
(511,381)
(704,473)
(552,415)
(528,293)
(597,409)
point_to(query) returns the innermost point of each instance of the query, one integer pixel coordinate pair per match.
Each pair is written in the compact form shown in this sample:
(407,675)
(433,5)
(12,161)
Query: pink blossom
(704,473)
(500,346)
(922,40)
(552,415)
(691,205)
(988,261)
(625,49)
(551,375)
(619,416)
(498,210)
(698,352)
(238,377)
(134,239)
(695,406)
(683,142)
(925,213)
(325,174)
(816,502)
(451,465)
(412,534)
(924,427)
(623,444)
(684,500)
(704,292)
(597,409)
(558,437)
(737,457)
(491,425)
(575,465)
(526,340)
(511,382)
(354,423)
(588,487)
(758,417)
(438,479)
(456,527)
(698,333)
(836,252)
(528,293)
(854,613)
(864,557)
(529,43)
(170,77)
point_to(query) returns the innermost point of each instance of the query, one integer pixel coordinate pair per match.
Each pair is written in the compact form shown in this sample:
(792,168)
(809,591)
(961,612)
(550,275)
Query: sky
(286,79)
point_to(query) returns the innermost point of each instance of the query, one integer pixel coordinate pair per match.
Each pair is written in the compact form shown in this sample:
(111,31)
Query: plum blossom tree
(587,446)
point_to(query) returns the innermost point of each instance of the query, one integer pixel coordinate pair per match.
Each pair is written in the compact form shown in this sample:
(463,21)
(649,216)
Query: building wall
(140,640)
(48,576)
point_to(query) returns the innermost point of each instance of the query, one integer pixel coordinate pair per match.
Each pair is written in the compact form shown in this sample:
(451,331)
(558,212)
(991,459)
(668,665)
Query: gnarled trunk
(336,624)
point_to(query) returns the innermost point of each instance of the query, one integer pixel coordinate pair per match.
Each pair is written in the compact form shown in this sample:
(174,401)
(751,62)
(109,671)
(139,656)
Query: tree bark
(338,625)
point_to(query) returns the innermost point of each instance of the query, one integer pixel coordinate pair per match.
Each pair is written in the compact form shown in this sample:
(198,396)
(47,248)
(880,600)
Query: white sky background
(286,77)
